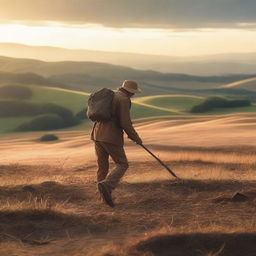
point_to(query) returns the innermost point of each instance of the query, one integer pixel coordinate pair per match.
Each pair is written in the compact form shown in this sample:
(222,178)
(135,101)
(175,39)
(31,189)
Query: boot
(105,193)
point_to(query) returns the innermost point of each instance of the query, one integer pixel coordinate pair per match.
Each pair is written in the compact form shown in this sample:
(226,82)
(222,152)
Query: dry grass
(49,210)
(49,204)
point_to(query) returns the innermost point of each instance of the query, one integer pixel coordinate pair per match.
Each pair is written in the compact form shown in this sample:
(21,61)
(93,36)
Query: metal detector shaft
(160,161)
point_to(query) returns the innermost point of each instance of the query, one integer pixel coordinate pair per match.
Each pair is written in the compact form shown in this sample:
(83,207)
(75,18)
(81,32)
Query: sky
(161,27)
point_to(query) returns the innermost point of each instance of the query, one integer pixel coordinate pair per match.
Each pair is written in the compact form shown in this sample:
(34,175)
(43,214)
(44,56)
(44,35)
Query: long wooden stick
(160,161)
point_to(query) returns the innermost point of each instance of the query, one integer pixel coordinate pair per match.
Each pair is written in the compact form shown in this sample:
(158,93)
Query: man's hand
(139,141)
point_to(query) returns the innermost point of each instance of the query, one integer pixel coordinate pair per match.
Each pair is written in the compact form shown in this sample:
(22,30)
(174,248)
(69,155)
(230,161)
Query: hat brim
(133,90)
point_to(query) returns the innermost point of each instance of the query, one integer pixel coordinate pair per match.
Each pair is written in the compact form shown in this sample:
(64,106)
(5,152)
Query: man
(109,141)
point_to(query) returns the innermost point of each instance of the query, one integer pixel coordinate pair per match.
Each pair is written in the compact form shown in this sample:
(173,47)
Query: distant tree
(218,102)
(64,113)
(48,116)
(12,108)
(42,123)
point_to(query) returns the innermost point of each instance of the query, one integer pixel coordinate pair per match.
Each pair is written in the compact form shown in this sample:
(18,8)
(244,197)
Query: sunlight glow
(148,41)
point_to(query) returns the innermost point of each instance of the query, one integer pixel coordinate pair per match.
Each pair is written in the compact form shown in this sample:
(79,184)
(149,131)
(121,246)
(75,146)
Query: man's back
(112,131)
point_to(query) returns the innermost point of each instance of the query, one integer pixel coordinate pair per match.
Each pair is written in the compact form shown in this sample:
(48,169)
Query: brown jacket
(112,131)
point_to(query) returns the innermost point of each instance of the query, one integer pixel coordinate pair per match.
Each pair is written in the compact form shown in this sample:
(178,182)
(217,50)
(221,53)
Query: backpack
(100,105)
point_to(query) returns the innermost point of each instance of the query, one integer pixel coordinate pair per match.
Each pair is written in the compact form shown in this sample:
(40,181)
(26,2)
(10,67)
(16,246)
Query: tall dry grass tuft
(212,157)
(34,203)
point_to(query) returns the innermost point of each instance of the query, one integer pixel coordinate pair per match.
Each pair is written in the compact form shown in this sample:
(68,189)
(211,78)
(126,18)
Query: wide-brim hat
(131,86)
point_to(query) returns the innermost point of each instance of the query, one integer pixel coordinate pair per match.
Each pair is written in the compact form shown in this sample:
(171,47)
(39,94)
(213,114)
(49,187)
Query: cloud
(177,14)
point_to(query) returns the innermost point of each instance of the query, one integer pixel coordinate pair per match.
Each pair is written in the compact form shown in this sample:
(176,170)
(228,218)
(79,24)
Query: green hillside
(247,84)
(175,103)
(73,100)
(144,107)
(181,104)
(139,110)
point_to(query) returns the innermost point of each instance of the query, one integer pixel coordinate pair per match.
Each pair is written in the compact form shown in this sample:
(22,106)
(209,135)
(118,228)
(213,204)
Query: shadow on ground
(39,224)
(213,244)
(189,185)
(48,190)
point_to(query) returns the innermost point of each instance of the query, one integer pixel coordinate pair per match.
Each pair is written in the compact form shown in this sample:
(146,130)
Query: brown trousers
(117,153)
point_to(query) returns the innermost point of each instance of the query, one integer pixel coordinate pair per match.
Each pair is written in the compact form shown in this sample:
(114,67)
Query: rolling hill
(233,63)
(164,94)
(72,100)
(49,200)
(247,84)
(26,78)
(175,103)
(90,76)
(104,70)
(75,101)
(150,107)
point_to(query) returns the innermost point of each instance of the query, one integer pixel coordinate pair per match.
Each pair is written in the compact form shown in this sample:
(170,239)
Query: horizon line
(123,52)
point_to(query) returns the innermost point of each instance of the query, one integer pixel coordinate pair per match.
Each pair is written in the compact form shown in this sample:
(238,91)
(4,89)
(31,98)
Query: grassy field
(179,103)
(8,124)
(143,107)
(74,101)
(48,210)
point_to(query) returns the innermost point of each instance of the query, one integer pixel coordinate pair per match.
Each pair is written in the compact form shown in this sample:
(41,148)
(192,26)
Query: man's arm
(125,121)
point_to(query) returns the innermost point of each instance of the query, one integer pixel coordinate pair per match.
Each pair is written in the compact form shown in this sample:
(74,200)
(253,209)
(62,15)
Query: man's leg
(102,160)
(117,153)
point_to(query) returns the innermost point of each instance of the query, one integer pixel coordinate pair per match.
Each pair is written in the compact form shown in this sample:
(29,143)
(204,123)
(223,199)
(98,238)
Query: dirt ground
(49,204)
